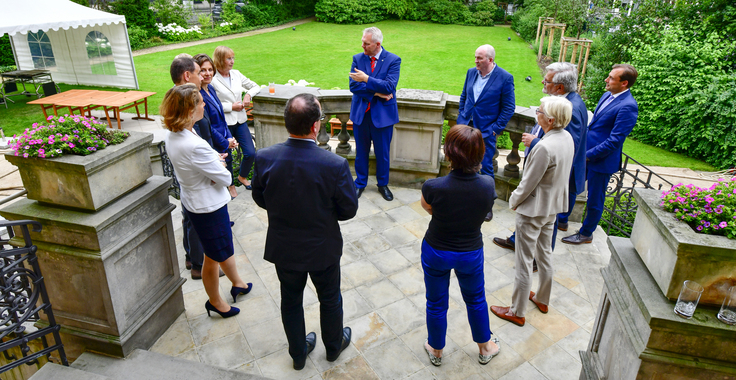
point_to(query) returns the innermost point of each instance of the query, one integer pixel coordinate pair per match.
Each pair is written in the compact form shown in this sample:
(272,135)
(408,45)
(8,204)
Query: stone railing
(416,147)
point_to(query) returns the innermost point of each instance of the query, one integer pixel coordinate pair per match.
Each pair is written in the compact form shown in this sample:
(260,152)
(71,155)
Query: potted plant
(75,161)
(688,233)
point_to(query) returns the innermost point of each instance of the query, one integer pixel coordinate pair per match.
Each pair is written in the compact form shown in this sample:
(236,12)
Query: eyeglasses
(321,117)
(538,112)
(544,81)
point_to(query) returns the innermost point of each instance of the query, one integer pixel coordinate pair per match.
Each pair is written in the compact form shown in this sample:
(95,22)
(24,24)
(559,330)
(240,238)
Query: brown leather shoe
(197,274)
(542,307)
(505,243)
(562,226)
(501,312)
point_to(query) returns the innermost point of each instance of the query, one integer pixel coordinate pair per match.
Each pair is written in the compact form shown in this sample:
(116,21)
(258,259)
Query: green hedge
(484,13)
(6,52)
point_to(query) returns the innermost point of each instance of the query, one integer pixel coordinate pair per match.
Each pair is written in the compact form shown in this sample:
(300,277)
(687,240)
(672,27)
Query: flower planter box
(673,252)
(87,182)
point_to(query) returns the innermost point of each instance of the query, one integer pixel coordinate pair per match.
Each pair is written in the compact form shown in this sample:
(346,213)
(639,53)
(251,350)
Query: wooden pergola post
(576,58)
(548,20)
(549,28)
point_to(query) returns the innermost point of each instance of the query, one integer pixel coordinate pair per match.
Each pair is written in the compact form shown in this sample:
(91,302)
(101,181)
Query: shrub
(613,223)
(136,13)
(138,37)
(448,12)
(66,134)
(6,52)
(686,97)
(231,15)
(398,8)
(205,22)
(350,11)
(173,32)
(706,210)
(255,16)
(526,20)
(171,12)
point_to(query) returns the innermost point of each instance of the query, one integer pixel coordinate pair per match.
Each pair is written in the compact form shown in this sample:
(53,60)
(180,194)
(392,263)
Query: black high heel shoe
(235,291)
(233,310)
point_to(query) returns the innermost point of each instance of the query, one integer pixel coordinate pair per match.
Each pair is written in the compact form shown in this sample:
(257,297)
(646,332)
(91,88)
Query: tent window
(99,52)
(41,52)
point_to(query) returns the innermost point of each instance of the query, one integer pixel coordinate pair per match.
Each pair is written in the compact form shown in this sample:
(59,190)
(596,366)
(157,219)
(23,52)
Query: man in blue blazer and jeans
(306,191)
(374,75)
(614,118)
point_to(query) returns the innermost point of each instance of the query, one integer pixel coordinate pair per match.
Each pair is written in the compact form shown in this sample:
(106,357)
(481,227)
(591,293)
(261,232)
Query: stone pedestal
(637,335)
(112,275)
(268,113)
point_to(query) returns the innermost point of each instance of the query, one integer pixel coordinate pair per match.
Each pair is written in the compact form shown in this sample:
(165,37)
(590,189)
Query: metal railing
(22,297)
(620,207)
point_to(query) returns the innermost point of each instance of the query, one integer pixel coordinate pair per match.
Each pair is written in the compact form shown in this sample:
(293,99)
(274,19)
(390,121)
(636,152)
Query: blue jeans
(244,138)
(469,270)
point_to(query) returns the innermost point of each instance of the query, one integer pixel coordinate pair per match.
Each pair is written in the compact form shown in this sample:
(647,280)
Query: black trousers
(327,283)
(192,244)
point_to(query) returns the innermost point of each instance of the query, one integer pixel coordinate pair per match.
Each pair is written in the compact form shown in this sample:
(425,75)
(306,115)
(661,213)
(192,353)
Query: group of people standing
(306,191)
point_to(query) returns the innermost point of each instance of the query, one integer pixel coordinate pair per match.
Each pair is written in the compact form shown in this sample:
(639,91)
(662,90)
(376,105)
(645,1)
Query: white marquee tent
(79,45)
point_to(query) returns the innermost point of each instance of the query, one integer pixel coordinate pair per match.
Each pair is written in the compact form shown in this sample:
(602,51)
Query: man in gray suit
(541,195)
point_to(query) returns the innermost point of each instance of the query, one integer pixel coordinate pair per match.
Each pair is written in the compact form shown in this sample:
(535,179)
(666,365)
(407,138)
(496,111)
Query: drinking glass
(688,299)
(271,88)
(727,314)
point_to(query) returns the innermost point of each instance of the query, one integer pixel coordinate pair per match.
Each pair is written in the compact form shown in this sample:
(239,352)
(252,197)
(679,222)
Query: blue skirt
(214,232)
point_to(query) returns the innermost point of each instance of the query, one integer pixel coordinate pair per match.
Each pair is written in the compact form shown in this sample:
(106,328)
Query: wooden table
(85,101)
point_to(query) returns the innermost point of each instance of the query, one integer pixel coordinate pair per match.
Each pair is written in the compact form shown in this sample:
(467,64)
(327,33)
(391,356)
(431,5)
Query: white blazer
(197,166)
(229,95)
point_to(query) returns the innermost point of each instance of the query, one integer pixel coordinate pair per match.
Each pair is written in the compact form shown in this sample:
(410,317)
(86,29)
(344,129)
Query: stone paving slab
(384,304)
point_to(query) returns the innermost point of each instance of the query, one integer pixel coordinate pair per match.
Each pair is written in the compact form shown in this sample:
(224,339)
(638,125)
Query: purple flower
(700,228)
(706,224)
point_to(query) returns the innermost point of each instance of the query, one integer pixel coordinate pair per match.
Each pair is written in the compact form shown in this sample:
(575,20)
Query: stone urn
(87,182)
(673,252)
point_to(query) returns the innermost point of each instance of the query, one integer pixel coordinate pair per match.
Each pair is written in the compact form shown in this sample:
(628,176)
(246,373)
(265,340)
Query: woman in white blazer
(230,85)
(203,179)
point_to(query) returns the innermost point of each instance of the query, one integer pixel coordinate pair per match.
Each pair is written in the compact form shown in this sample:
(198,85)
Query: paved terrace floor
(383,295)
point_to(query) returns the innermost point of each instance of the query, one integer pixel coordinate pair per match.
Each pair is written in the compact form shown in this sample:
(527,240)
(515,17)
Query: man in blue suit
(561,79)
(487,101)
(306,191)
(614,118)
(374,75)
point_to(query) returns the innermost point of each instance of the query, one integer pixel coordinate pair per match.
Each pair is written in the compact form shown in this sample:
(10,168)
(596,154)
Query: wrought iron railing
(620,207)
(174,189)
(23,296)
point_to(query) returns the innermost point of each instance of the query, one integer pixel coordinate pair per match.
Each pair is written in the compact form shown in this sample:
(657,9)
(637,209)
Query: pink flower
(723,224)
(49,118)
(71,145)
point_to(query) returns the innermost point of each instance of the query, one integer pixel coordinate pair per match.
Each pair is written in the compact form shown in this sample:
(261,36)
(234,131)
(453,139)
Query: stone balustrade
(416,148)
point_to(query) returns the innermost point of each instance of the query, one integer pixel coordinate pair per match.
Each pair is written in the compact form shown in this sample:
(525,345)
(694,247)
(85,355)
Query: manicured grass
(653,156)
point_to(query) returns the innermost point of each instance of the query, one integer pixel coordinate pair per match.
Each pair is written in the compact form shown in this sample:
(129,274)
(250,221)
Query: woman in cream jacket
(230,85)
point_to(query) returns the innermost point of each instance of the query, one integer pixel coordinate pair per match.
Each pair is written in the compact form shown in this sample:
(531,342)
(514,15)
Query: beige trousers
(533,240)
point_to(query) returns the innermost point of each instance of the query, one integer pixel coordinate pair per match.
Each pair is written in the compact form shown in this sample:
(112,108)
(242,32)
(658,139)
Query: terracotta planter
(87,182)
(673,252)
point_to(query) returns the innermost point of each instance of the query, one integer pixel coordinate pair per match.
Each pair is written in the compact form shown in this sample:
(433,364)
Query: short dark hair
(300,114)
(180,66)
(629,74)
(464,148)
(202,58)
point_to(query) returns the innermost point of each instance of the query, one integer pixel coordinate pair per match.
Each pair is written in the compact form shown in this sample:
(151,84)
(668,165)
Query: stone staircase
(139,365)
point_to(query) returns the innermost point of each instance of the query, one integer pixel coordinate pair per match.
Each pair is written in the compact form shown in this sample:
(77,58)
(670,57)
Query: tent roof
(32,15)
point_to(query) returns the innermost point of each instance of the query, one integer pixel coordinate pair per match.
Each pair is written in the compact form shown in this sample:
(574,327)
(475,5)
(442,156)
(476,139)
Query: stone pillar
(268,113)
(111,273)
(337,102)
(637,335)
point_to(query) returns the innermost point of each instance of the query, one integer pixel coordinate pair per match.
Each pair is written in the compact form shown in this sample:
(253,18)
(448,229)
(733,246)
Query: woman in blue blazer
(222,138)
(203,179)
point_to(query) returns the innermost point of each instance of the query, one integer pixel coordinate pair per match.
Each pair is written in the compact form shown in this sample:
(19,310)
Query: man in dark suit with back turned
(306,191)
(374,75)
(561,79)
(614,118)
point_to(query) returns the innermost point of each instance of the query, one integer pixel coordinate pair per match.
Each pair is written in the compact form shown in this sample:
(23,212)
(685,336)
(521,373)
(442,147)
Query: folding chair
(6,87)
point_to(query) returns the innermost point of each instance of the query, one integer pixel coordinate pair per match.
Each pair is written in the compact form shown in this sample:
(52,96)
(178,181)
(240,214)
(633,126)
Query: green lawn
(434,57)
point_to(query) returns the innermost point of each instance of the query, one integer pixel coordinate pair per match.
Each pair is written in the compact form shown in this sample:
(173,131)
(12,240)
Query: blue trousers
(469,270)
(487,163)
(597,183)
(327,283)
(192,244)
(243,137)
(381,138)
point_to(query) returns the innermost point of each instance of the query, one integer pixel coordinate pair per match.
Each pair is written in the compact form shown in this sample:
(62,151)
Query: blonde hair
(558,108)
(177,106)
(220,55)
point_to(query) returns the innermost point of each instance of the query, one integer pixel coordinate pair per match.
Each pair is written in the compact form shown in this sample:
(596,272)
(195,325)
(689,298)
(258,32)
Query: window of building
(41,52)
(99,52)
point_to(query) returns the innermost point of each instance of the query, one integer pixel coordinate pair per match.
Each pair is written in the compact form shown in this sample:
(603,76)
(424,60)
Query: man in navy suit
(561,79)
(306,191)
(614,118)
(487,101)
(374,75)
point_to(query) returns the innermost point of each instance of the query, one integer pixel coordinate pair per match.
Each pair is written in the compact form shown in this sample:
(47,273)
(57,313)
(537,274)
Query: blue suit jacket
(220,131)
(383,80)
(607,131)
(495,105)
(305,190)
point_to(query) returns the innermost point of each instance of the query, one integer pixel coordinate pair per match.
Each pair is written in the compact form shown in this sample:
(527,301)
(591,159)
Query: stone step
(51,371)
(146,365)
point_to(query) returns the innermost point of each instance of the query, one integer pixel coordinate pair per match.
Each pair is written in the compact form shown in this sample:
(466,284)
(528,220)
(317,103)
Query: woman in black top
(458,204)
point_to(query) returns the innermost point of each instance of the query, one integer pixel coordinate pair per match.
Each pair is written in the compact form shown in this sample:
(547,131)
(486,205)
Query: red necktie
(373,67)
